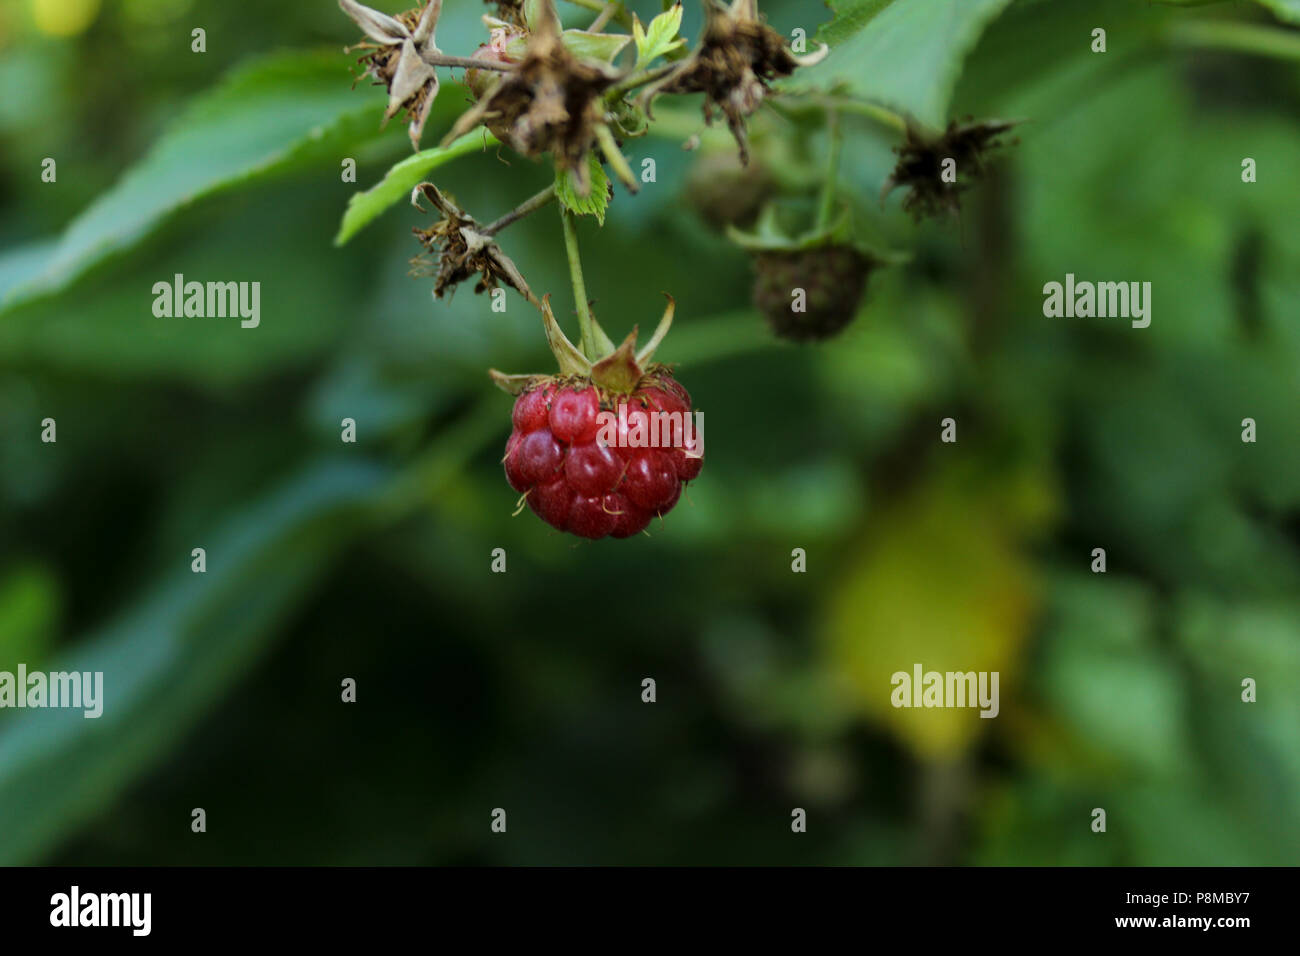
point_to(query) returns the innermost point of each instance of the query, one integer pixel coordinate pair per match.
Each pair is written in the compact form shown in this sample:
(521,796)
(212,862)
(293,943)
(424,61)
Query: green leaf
(581,43)
(595,46)
(1237,37)
(851,16)
(169,658)
(22,263)
(29,606)
(1287,11)
(165,661)
(267,116)
(112,333)
(890,610)
(660,38)
(906,54)
(595,202)
(398,182)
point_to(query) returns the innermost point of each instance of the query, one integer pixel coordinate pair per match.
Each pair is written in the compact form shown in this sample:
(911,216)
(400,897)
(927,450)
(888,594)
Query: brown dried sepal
(395,51)
(457,249)
(737,56)
(920,164)
(550,103)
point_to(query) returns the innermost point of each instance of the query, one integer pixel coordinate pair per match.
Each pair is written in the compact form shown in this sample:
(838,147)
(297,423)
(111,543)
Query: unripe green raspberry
(832,279)
(726,193)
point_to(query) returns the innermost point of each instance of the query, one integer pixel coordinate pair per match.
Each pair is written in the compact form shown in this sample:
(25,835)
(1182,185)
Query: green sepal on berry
(768,236)
(618,371)
(589,453)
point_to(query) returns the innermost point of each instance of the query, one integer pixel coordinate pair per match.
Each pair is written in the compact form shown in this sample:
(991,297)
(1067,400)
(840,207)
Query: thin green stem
(795,106)
(606,15)
(588,343)
(526,207)
(639,78)
(598,6)
(616,158)
(834,141)
(1237,37)
(885,117)
(678,124)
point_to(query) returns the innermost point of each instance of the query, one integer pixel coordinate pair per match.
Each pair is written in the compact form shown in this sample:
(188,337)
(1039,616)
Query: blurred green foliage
(478,690)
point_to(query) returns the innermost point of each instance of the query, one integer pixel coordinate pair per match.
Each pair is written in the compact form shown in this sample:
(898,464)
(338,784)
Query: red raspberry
(558,456)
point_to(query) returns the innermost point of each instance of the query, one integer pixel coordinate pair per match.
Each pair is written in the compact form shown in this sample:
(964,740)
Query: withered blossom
(457,248)
(396,57)
(737,56)
(920,164)
(550,103)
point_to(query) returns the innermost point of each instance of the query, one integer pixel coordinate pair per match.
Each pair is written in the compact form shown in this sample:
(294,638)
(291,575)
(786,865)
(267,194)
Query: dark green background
(522,690)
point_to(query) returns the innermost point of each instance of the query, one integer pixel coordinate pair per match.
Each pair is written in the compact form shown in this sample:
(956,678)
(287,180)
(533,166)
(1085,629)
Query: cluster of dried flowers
(538,96)
(736,58)
(458,248)
(540,91)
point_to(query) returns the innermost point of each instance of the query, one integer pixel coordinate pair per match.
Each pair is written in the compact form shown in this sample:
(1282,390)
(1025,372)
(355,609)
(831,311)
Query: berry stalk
(588,342)
(599,6)
(527,207)
(834,140)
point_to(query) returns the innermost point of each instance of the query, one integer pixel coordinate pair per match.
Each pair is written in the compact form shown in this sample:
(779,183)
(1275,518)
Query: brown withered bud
(457,248)
(737,56)
(550,103)
(921,158)
(395,57)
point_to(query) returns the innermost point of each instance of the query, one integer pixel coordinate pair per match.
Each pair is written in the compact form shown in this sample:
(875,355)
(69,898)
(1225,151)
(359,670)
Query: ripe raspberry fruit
(599,451)
(832,277)
(577,482)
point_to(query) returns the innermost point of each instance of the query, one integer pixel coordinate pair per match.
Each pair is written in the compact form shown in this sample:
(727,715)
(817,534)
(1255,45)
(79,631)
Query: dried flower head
(457,247)
(550,103)
(395,57)
(921,161)
(737,56)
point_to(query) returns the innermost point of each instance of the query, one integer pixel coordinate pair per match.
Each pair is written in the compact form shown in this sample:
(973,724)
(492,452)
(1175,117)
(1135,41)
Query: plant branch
(615,157)
(530,205)
(606,15)
(469,63)
(885,117)
(640,78)
(891,120)
(579,287)
(598,6)
(826,204)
